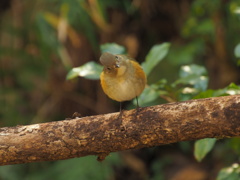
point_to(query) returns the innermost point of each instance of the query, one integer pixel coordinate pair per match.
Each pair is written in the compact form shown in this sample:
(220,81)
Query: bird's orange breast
(126,84)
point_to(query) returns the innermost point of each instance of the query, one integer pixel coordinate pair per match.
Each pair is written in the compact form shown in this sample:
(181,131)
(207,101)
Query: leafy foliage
(78,168)
(232,173)
(113,48)
(202,147)
(156,54)
(90,70)
(237,51)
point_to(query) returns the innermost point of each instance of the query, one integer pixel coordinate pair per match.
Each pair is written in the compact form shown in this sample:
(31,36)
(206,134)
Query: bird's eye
(108,68)
(116,57)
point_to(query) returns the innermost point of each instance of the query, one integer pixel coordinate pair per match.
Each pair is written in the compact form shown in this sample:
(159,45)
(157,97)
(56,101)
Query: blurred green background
(41,41)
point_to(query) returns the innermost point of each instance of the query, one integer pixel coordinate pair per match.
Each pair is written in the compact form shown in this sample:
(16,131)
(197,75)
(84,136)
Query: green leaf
(90,70)
(88,164)
(230,173)
(209,93)
(198,82)
(45,28)
(237,51)
(156,54)
(202,147)
(192,69)
(232,89)
(113,48)
(204,27)
(194,75)
(152,92)
(149,94)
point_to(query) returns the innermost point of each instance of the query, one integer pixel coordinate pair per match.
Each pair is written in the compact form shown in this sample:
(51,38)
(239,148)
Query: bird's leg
(121,109)
(138,107)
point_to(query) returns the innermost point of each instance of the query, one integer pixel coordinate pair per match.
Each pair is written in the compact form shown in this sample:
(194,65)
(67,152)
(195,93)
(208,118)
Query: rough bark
(99,135)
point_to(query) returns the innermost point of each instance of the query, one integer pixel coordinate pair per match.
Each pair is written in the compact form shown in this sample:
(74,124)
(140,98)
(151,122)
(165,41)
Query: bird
(122,78)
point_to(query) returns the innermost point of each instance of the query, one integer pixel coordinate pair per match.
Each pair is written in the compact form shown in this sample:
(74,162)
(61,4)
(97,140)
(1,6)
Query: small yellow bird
(122,78)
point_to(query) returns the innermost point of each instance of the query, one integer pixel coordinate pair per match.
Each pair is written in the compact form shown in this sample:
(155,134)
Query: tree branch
(99,135)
